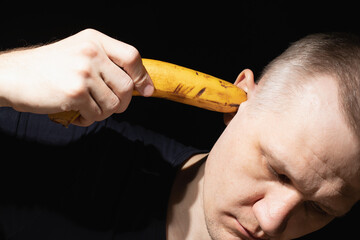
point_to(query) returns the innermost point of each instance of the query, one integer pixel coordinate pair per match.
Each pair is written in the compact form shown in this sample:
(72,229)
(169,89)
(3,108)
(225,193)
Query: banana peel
(184,85)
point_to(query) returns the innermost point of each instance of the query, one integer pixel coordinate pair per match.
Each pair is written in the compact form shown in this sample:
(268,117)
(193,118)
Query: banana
(182,85)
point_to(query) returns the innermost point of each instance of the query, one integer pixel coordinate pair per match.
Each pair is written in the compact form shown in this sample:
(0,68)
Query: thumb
(142,81)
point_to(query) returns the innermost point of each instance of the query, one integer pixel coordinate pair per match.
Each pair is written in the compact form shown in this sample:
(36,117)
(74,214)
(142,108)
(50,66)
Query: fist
(88,72)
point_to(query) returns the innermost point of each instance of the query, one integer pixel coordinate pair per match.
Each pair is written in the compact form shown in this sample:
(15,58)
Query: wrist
(8,81)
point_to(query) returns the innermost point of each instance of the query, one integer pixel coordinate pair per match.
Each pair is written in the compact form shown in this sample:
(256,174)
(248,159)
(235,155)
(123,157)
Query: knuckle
(114,104)
(98,112)
(84,72)
(122,108)
(89,49)
(84,69)
(125,87)
(128,86)
(66,106)
(132,56)
(89,32)
(140,80)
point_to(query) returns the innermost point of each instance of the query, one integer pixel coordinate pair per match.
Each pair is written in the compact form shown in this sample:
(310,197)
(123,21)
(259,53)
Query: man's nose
(275,209)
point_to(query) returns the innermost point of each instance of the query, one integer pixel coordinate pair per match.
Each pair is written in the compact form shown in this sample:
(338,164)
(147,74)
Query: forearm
(8,76)
(13,74)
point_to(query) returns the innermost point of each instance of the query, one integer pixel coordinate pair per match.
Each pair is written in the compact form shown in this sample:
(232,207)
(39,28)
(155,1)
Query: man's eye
(281,177)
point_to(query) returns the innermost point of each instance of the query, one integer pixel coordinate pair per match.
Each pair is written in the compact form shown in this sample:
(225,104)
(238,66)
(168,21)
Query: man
(286,165)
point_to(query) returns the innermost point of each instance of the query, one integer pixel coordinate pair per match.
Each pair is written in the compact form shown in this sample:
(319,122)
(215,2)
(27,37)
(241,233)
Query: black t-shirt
(108,181)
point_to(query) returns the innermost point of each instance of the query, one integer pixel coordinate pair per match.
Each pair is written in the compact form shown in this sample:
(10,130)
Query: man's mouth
(246,233)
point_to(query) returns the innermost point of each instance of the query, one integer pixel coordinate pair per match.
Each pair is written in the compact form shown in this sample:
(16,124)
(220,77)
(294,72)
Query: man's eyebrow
(267,152)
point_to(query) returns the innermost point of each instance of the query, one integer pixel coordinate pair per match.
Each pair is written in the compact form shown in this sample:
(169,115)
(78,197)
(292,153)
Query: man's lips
(246,232)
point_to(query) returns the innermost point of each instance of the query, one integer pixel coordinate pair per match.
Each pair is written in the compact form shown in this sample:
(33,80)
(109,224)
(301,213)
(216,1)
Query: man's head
(336,56)
(288,163)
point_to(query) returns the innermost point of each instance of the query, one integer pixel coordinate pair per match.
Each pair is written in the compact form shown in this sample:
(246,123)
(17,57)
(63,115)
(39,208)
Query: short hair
(333,54)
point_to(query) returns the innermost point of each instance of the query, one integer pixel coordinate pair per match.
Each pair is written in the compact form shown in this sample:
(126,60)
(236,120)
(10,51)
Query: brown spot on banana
(200,92)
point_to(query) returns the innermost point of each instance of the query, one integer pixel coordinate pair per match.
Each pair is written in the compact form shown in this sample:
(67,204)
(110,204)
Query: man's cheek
(230,183)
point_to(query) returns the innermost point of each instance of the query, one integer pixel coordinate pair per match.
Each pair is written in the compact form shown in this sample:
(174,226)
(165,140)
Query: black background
(218,38)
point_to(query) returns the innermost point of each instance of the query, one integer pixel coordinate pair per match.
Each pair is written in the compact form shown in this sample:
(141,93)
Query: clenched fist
(88,72)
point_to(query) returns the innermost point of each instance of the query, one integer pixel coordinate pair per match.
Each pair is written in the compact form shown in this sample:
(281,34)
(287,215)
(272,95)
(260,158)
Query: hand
(88,72)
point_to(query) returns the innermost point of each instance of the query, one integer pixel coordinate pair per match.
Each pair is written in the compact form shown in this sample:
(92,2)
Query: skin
(271,176)
(88,72)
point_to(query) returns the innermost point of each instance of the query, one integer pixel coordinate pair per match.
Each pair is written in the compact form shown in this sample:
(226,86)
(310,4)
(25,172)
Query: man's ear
(246,82)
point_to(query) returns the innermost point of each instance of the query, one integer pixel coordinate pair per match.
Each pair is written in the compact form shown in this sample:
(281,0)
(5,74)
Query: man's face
(281,176)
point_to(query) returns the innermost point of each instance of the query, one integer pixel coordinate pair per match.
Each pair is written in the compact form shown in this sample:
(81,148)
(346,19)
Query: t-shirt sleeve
(171,150)
(38,128)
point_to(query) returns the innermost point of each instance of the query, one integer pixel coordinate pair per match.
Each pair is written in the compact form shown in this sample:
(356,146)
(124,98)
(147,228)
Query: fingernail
(148,90)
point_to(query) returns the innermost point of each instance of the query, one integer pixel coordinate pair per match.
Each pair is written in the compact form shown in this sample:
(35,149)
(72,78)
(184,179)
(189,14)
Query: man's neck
(185,216)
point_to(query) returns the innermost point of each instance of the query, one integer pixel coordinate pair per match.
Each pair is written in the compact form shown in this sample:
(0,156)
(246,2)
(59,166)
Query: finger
(128,57)
(88,110)
(119,82)
(82,122)
(104,97)
(135,69)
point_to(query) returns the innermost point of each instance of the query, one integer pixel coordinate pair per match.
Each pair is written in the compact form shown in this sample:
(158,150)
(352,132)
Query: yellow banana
(182,85)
